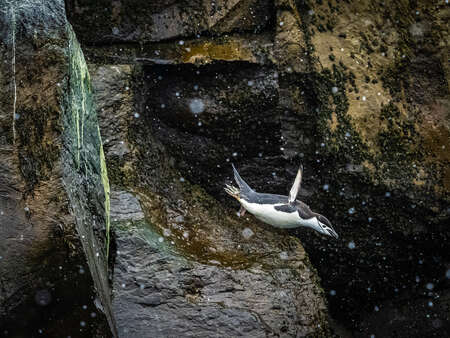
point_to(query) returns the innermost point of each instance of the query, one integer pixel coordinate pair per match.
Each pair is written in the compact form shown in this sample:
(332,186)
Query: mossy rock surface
(358,93)
(54,200)
(173,227)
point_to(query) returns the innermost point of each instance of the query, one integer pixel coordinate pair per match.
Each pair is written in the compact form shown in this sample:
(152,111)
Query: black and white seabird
(280,211)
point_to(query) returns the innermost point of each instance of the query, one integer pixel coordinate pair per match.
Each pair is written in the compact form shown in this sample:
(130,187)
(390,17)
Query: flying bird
(280,211)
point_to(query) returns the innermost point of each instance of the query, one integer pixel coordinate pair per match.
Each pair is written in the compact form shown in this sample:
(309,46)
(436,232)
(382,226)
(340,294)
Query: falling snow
(196,106)
(284,255)
(247,233)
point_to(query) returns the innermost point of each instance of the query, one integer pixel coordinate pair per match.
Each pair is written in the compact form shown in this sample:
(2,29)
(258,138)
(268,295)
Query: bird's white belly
(268,214)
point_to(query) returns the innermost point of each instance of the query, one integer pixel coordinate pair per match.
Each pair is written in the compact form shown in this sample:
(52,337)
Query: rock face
(358,92)
(168,291)
(185,265)
(54,189)
(139,21)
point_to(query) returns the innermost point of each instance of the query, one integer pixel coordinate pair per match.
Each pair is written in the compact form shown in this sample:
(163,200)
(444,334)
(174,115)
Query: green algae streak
(84,142)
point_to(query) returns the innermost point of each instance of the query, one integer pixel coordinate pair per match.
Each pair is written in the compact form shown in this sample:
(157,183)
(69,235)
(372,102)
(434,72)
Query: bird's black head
(326,227)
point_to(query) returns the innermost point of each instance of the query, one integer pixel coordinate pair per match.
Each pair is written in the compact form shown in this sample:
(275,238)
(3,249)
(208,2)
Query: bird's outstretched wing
(296,186)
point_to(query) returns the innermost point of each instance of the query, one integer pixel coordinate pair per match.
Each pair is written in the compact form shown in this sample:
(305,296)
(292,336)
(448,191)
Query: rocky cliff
(358,92)
(54,196)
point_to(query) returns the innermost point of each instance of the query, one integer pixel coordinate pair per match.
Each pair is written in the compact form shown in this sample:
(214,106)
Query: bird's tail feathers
(243,186)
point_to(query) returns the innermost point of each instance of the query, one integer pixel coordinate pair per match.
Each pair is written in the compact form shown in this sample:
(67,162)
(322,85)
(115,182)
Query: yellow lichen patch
(333,122)
(446,178)
(437,143)
(289,46)
(194,225)
(105,182)
(419,183)
(350,45)
(368,125)
(369,166)
(421,178)
(192,238)
(208,51)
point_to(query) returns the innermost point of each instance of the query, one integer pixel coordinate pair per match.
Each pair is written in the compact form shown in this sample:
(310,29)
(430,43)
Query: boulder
(53,182)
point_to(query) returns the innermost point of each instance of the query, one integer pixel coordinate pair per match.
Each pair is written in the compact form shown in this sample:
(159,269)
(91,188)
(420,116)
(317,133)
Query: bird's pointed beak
(332,233)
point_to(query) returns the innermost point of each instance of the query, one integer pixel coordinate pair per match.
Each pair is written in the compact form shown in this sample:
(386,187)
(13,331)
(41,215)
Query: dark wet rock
(290,48)
(254,48)
(158,288)
(357,92)
(125,206)
(140,21)
(425,313)
(53,200)
(239,116)
(117,80)
(192,268)
(113,85)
